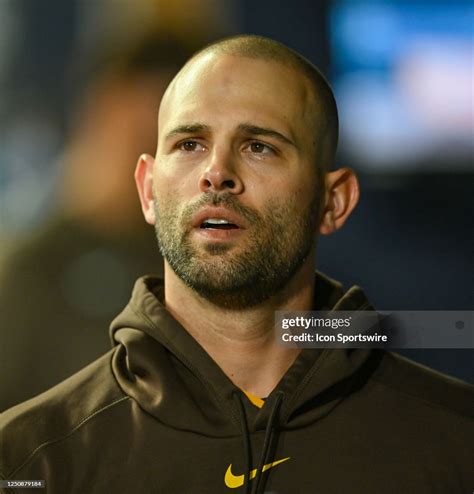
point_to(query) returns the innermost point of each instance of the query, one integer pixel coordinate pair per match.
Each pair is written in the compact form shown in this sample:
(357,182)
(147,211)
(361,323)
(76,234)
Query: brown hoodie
(157,415)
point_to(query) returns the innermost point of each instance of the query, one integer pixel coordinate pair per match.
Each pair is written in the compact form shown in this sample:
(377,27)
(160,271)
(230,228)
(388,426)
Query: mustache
(226,200)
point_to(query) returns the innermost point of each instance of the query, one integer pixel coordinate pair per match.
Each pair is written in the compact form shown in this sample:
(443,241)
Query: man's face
(236,202)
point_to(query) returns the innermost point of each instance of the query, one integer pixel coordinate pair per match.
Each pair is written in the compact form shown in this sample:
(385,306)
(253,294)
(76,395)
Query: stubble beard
(277,243)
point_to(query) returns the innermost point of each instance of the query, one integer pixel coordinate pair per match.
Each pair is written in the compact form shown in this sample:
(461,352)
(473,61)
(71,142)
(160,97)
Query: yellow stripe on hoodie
(258,402)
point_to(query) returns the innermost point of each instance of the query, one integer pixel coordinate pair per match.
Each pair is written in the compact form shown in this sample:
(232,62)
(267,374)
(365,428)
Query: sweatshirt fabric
(157,415)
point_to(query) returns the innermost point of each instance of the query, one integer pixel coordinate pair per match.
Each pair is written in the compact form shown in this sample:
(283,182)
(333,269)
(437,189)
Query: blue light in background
(402,73)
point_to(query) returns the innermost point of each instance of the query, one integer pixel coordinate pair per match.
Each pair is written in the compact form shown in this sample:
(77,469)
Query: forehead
(228,88)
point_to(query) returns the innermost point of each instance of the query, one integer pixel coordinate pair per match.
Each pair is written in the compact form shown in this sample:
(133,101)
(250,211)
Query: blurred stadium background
(402,72)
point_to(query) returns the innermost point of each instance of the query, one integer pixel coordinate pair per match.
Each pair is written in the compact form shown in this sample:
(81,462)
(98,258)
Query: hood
(172,377)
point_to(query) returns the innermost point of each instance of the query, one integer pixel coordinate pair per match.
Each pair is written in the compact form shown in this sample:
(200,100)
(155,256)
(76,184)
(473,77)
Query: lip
(215,235)
(220,214)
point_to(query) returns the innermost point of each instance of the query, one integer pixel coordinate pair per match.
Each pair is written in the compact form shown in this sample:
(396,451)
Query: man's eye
(260,148)
(190,146)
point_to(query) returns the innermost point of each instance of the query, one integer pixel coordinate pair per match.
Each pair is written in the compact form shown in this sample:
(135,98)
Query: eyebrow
(188,129)
(243,127)
(262,131)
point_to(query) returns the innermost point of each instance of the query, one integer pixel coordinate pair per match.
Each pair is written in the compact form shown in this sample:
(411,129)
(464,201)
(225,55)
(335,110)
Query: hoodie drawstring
(246,439)
(258,485)
(267,443)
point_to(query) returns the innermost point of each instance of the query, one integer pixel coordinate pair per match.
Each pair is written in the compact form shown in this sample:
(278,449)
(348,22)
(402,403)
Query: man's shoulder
(425,387)
(56,414)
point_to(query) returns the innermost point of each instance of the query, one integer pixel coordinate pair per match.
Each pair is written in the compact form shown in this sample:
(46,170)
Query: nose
(220,174)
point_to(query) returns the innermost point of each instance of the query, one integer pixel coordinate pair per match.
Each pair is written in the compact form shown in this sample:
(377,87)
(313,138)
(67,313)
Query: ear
(144,181)
(342,196)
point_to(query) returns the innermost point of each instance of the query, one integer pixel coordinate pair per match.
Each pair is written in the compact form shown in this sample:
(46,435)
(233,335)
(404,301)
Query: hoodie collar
(161,366)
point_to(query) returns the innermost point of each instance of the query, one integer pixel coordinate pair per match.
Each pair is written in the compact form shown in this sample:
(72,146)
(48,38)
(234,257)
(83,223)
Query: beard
(274,246)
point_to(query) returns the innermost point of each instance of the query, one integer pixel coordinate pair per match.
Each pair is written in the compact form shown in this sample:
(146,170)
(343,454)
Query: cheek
(294,191)
(301,200)
(173,180)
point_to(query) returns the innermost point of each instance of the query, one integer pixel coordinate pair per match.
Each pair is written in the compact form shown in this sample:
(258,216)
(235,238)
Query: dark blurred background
(80,87)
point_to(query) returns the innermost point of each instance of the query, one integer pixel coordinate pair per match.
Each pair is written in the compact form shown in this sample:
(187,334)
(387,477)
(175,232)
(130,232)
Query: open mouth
(218,224)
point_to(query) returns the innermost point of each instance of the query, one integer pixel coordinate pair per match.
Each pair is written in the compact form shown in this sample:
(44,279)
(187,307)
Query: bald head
(324,116)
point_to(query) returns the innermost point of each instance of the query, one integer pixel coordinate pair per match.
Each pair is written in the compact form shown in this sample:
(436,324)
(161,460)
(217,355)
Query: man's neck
(242,342)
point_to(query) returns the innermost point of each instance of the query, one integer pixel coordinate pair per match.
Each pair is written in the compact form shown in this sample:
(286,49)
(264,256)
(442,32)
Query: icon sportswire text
(233,481)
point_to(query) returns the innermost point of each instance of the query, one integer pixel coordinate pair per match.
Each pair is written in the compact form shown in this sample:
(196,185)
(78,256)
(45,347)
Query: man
(197,396)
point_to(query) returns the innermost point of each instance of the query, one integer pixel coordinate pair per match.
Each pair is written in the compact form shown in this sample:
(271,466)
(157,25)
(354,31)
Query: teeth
(215,221)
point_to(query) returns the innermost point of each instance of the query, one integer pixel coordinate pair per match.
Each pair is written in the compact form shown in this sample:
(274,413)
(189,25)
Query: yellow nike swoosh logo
(233,481)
